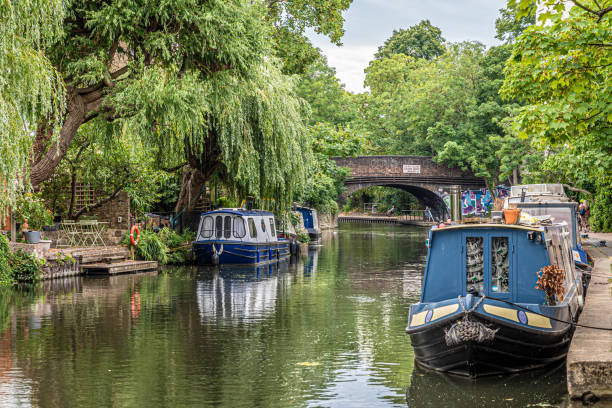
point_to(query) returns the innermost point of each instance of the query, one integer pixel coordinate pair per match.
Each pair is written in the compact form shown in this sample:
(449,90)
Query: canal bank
(589,360)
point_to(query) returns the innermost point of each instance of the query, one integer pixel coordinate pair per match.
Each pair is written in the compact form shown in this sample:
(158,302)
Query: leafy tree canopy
(422,40)
(195,82)
(562,71)
(509,25)
(328,100)
(30,87)
(291,18)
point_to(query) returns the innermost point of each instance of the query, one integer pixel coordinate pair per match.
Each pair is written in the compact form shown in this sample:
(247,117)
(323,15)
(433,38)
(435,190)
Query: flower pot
(512,215)
(32,237)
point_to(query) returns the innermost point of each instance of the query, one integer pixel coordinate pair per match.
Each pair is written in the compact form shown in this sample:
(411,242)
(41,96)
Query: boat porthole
(522,317)
(428,316)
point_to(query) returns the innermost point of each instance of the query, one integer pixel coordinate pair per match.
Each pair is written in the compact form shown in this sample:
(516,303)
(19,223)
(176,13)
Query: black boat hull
(513,348)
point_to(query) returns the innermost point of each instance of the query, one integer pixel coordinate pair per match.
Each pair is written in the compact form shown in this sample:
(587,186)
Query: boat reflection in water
(232,294)
(538,388)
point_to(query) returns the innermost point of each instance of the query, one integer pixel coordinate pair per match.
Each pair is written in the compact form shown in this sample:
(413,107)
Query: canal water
(325,331)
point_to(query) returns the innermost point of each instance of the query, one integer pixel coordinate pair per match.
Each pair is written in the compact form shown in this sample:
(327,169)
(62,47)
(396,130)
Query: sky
(368,23)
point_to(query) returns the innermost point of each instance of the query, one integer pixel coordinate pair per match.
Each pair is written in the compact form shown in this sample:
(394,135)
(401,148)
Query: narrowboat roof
(239,211)
(498,226)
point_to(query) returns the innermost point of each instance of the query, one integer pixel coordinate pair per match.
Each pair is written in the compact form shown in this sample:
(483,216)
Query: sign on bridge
(411,168)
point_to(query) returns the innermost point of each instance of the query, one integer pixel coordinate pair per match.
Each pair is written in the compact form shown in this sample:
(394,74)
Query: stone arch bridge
(419,175)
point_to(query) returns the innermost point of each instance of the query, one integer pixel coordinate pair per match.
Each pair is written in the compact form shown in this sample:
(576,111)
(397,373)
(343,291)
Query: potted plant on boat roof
(33,215)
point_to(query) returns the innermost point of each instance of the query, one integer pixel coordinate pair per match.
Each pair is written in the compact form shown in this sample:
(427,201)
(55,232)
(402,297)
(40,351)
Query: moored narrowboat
(480,312)
(311,222)
(232,236)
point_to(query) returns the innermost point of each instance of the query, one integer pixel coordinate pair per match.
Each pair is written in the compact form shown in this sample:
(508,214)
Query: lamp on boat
(534,236)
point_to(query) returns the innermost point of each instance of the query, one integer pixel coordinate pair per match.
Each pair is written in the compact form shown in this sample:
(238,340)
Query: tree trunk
(193,182)
(76,110)
(515,179)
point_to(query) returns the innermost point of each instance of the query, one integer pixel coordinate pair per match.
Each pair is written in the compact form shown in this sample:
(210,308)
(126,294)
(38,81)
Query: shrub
(165,246)
(17,267)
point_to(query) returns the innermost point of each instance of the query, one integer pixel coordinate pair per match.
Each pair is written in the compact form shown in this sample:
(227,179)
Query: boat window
(252,228)
(263,225)
(500,264)
(474,251)
(239,229)
(208,227)
(219,226)
(227,226)
(272,232)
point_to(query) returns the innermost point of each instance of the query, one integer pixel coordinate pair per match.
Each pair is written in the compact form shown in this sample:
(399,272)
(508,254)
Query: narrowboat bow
(480,312)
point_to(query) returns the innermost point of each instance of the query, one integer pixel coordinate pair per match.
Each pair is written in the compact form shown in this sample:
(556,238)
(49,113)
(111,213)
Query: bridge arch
(425,179)
(425,196)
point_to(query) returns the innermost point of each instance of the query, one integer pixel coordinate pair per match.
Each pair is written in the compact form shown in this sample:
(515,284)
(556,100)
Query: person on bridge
(391,211)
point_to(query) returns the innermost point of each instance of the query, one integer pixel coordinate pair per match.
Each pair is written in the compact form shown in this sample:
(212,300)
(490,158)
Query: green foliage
(63,259)
(30,88)
(325,179)
(31,207)
(194,82)
(384,198)
(561,69)
(419,41)
(226,202)
(178,245)
(5,255)
(291,18)
(302,237)
(509,25)
(17,267)
(327,99)
(108,165)
(164,246)
(25,267)
(601,210)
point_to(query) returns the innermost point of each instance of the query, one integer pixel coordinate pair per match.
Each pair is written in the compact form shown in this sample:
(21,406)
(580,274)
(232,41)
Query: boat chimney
(455,203)
(250,201)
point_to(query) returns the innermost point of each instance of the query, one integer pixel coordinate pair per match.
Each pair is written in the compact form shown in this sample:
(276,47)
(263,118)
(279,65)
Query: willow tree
(198,82)
(30,88)
(195,81)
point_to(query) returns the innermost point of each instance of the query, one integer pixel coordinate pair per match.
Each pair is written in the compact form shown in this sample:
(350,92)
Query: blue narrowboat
(237,236)
(480,312)
(311,222)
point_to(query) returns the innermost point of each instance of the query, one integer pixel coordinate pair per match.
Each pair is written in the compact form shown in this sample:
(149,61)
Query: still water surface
(325,331)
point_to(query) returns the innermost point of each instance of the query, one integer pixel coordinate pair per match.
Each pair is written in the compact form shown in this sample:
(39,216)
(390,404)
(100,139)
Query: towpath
(589,361)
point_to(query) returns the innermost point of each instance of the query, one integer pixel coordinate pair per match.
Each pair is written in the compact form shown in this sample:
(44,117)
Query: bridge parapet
(406,168)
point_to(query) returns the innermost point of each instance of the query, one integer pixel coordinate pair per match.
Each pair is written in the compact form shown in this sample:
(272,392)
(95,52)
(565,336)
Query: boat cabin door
(488,266)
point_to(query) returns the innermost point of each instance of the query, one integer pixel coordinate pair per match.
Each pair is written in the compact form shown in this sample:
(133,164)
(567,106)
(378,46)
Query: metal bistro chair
(70,233)
(88,232)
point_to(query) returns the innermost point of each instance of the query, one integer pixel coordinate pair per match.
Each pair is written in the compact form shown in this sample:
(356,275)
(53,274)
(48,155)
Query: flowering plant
(31,208)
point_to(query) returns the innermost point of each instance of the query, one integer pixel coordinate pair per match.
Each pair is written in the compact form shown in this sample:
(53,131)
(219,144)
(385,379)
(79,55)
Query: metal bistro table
(83,233)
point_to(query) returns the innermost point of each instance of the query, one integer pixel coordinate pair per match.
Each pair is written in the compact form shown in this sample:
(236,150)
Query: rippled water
(325,331)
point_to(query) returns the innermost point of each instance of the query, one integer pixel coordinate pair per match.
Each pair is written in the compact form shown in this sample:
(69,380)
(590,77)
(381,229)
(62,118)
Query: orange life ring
(132,240)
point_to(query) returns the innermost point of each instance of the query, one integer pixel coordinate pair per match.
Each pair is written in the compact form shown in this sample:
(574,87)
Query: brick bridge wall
(419,175)
(418,168)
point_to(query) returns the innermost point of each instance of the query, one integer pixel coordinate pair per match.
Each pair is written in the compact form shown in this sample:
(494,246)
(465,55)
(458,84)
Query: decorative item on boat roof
(550,280)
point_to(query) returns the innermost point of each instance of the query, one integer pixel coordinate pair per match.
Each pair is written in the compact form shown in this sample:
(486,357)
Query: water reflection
(326,330)
(239,294)
(541,388)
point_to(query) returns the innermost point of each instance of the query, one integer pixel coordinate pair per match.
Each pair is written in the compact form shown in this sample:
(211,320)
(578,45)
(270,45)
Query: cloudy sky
(368,23)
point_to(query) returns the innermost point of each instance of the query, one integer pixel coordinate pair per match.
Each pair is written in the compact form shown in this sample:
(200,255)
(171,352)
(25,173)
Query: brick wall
(111,211)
